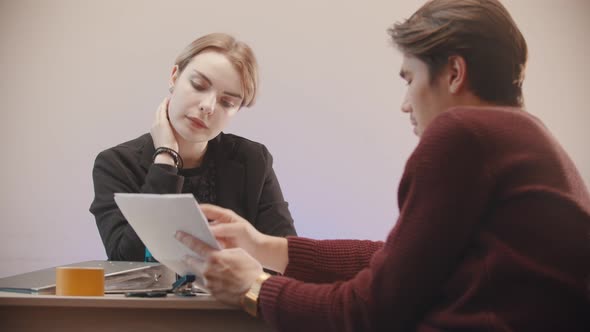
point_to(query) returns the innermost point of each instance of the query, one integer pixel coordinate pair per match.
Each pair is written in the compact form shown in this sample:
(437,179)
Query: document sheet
(156,218)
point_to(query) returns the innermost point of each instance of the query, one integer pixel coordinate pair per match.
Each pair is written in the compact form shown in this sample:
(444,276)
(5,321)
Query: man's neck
(469,99)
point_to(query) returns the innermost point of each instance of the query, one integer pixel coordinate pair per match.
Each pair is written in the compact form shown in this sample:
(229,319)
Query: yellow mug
(79,281)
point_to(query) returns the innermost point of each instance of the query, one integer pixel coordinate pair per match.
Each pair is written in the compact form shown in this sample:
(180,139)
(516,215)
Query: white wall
(81,76)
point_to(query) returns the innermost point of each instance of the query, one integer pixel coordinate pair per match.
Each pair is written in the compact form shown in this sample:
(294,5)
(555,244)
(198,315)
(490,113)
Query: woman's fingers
(162,106)
(161,130)
(163,110)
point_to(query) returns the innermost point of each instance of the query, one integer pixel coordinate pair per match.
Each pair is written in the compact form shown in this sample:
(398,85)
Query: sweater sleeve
(442,196)
(328,260)
(113,173)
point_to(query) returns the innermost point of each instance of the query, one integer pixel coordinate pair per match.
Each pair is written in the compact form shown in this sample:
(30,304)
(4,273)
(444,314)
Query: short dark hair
(480,31)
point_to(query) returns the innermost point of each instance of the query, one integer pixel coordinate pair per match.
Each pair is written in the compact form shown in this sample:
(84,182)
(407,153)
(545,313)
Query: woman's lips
(196,122)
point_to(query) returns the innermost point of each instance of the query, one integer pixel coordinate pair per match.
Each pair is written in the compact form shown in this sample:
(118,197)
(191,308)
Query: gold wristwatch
(250,299)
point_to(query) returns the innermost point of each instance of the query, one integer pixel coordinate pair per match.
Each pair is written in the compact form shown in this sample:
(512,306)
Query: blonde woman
(187,152)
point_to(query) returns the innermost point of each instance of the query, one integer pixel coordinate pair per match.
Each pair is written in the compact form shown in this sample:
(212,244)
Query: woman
(186,151)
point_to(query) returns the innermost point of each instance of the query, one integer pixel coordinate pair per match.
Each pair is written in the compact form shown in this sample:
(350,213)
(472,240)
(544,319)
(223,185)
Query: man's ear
(457,78)
(173,77)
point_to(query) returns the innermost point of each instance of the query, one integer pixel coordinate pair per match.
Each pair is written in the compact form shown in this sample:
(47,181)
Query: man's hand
(233,231)
(229,273)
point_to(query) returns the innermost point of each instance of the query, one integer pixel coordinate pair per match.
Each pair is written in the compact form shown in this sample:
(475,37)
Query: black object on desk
(147,294)
(178,288)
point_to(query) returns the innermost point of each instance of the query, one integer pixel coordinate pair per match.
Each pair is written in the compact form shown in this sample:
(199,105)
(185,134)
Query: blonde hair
(237,52)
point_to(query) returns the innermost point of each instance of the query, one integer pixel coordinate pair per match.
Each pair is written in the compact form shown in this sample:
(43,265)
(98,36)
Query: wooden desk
(24,312)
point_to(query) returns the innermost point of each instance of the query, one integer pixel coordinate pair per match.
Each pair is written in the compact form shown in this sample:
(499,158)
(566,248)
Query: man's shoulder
(467,131)
(487,121)
(489,116)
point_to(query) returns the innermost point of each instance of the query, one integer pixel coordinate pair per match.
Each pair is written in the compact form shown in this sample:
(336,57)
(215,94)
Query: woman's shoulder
(239,146)
(131,148)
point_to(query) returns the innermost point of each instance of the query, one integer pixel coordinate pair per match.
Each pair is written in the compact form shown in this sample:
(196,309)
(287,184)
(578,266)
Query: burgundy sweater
(493,235)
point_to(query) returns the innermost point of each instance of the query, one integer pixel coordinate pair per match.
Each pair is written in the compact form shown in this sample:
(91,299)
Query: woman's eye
(227,104)
(198,87)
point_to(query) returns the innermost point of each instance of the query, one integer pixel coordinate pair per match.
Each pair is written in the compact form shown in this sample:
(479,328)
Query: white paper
(156,218)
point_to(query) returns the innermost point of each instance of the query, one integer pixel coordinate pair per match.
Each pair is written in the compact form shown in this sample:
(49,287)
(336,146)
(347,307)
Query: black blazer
(246,184)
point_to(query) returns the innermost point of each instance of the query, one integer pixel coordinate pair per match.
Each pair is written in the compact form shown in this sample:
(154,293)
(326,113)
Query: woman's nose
(208,104)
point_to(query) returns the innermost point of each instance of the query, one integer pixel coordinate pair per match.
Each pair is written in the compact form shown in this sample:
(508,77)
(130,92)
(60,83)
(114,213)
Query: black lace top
(200,181)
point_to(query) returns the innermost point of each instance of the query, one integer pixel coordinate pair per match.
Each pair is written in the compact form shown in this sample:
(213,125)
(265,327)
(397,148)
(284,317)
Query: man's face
(424,100)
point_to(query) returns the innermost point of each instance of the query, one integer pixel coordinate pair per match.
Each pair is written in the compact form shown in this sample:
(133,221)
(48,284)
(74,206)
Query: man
(493,229)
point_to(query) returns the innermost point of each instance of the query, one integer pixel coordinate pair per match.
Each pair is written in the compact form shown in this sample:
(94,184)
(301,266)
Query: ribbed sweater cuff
(269,298)
(302,254)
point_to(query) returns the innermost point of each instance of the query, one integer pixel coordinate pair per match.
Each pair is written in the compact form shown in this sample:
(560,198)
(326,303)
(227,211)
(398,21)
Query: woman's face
(205,96)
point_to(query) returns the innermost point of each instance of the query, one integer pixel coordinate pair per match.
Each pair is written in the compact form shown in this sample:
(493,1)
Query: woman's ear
(457,74)
(173,77)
